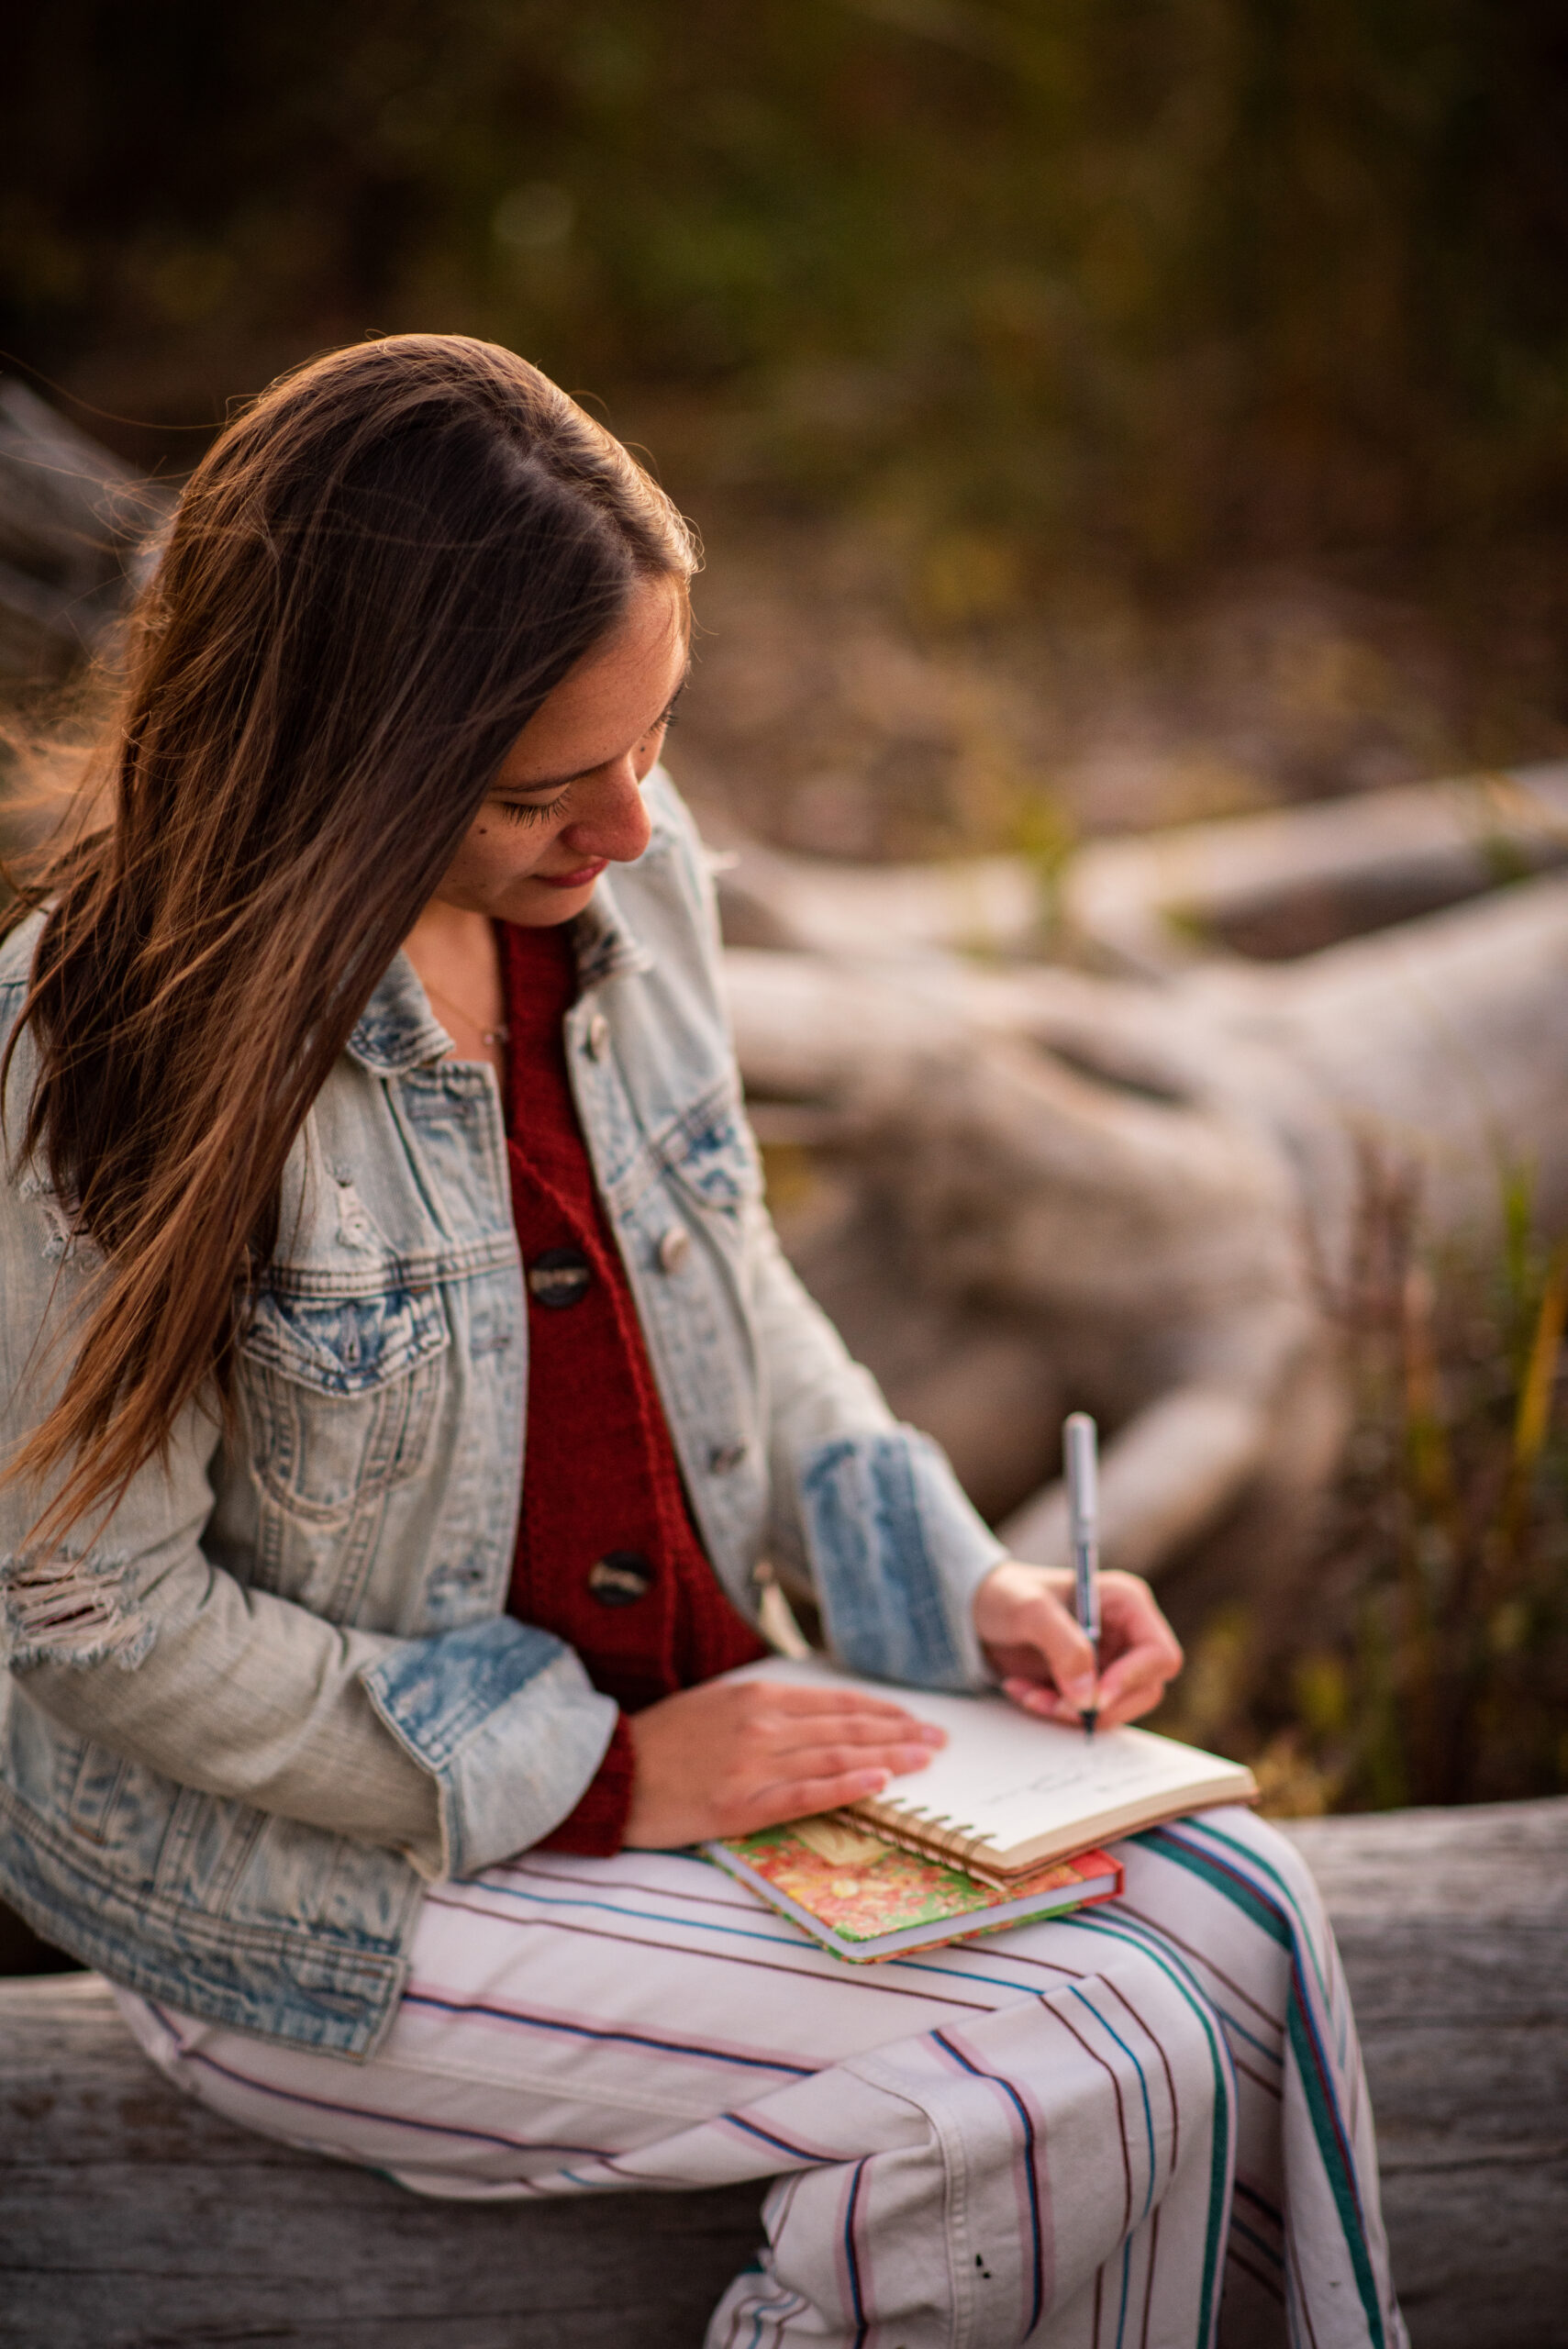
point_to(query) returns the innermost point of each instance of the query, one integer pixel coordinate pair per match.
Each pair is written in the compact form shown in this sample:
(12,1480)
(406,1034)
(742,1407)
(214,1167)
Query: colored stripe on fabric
(1098,1924)
(852,2257)
(1328,2123)
(371,2112)
(826,1967)
(1037,2252)
(710,2054)
(1142,2088)
(771,2137)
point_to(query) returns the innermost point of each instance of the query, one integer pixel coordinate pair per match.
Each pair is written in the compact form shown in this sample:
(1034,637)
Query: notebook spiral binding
(930,1836)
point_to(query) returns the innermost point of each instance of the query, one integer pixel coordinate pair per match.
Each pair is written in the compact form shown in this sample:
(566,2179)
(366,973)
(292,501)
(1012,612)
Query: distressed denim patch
(871,1507)
(61,1608)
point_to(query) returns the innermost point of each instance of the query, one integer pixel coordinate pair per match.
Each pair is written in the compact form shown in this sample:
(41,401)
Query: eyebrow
(560,782)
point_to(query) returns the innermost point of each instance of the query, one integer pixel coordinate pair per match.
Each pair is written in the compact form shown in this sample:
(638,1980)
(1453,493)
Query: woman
(358,1120)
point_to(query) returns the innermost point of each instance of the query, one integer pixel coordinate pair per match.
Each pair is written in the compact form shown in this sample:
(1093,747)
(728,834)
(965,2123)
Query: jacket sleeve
(456,1749)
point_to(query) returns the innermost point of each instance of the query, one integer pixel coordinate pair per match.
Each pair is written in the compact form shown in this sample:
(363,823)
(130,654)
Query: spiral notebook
(1008,1792)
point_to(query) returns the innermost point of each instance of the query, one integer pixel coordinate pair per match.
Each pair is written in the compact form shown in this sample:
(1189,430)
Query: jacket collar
(398,1030)
(604,946)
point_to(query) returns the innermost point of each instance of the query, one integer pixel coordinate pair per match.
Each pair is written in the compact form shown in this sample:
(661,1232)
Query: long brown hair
(371,581)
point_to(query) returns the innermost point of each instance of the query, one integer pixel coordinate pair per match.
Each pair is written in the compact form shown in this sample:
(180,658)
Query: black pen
(1083,1524)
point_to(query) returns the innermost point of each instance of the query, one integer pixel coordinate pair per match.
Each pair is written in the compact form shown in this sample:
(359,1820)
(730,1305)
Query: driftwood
(131,2219)
(1453,1925)
(1046,1186)
(1284,883)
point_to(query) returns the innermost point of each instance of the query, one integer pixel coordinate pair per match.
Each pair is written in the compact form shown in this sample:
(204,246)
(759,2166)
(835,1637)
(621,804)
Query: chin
(542,907)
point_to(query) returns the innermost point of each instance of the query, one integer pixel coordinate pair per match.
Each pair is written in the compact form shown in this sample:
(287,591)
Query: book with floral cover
(866,1899)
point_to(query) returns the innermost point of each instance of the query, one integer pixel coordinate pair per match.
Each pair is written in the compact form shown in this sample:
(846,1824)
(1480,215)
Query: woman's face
(567,797)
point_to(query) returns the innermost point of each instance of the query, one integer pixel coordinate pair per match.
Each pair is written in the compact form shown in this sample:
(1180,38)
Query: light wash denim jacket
(249,1715)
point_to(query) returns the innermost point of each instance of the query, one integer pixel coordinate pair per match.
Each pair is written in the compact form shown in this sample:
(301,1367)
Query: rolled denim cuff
(504,1719)
(898,1553)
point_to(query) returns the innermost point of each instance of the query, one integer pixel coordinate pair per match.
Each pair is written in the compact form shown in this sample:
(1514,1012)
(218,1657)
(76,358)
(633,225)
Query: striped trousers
(1144,2127)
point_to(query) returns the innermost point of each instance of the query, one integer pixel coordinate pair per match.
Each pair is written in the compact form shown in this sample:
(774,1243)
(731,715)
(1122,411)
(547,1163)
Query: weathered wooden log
(1269,887)
(131,2219)
(1454,1930)
(1049,1185)
(1284,882)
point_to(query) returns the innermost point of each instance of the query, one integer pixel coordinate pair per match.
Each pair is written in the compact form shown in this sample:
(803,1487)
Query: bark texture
(1039,1187)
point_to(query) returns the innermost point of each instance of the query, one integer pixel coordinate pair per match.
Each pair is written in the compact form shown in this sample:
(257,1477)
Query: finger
(1038,1698)
(805,1797)
(828,1701)
(796,1734)
(1132,1618)
(1133,1670)
(830,1761)
(1128,1699)
(1157,1656)
(1031,1696)
(1134,1684)
(1068,1655)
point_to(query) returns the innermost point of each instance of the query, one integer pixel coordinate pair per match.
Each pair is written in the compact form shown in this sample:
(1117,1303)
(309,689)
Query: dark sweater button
(620,1577)
(559,1277)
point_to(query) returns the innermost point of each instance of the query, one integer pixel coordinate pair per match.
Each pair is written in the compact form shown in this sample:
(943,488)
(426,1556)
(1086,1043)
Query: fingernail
(929,1734)
(872,1782)
(1081,1690)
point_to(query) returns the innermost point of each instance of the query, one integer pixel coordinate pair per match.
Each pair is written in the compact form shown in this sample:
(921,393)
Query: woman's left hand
(1023,1615)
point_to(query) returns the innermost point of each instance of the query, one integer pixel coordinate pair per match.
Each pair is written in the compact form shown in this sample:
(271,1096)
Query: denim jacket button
(674,1249)
(724,1457)
(597,1037)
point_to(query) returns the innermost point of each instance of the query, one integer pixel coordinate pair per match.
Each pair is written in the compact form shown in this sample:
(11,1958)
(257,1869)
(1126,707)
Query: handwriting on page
(1101,1768)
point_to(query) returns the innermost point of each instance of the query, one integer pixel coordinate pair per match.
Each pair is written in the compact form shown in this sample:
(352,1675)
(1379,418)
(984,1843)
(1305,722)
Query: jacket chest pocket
(711,1155)
(341,1394)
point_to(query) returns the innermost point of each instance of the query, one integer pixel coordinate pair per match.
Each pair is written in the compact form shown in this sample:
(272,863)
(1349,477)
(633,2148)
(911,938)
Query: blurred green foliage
(1428,1661)
(1161,279)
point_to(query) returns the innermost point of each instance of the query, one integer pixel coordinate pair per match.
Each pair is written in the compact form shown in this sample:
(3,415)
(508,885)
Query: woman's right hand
(732,1755)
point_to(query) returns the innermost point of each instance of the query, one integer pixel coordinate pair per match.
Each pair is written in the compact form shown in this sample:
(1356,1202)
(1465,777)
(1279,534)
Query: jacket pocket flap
(346,1345)
(709,1150)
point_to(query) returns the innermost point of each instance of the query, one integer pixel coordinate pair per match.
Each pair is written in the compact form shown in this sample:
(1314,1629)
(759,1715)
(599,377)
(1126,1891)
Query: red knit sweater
(607,1557)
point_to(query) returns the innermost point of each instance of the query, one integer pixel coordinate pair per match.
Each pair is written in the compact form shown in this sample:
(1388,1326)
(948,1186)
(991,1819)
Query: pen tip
(1089,1720)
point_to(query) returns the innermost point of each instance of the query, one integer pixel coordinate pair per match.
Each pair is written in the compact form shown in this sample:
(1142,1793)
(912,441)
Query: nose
(611,820)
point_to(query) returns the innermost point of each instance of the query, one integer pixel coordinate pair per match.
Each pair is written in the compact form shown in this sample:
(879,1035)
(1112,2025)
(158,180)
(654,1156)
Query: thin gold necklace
(488,1036)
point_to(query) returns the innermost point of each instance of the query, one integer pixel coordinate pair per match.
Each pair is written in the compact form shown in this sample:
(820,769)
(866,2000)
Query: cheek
(496,851)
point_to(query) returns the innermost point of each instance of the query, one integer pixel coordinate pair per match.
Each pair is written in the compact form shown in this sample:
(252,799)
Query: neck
(447,934)
(455,955)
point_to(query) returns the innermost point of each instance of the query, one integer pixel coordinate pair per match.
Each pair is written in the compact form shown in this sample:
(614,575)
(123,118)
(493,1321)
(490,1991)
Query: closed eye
(523,811)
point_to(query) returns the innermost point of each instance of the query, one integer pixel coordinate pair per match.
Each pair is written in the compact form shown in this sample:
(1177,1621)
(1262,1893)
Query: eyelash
(515,812)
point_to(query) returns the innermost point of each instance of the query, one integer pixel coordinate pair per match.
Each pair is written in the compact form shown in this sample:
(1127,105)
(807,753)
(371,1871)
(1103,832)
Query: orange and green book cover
(866,1899)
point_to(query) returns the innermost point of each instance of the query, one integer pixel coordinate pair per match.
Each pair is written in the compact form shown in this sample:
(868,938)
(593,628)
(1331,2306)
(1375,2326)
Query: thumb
(1068,1652)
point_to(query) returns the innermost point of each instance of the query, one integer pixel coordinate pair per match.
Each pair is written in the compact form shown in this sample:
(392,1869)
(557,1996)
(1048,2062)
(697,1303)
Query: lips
(578,880)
